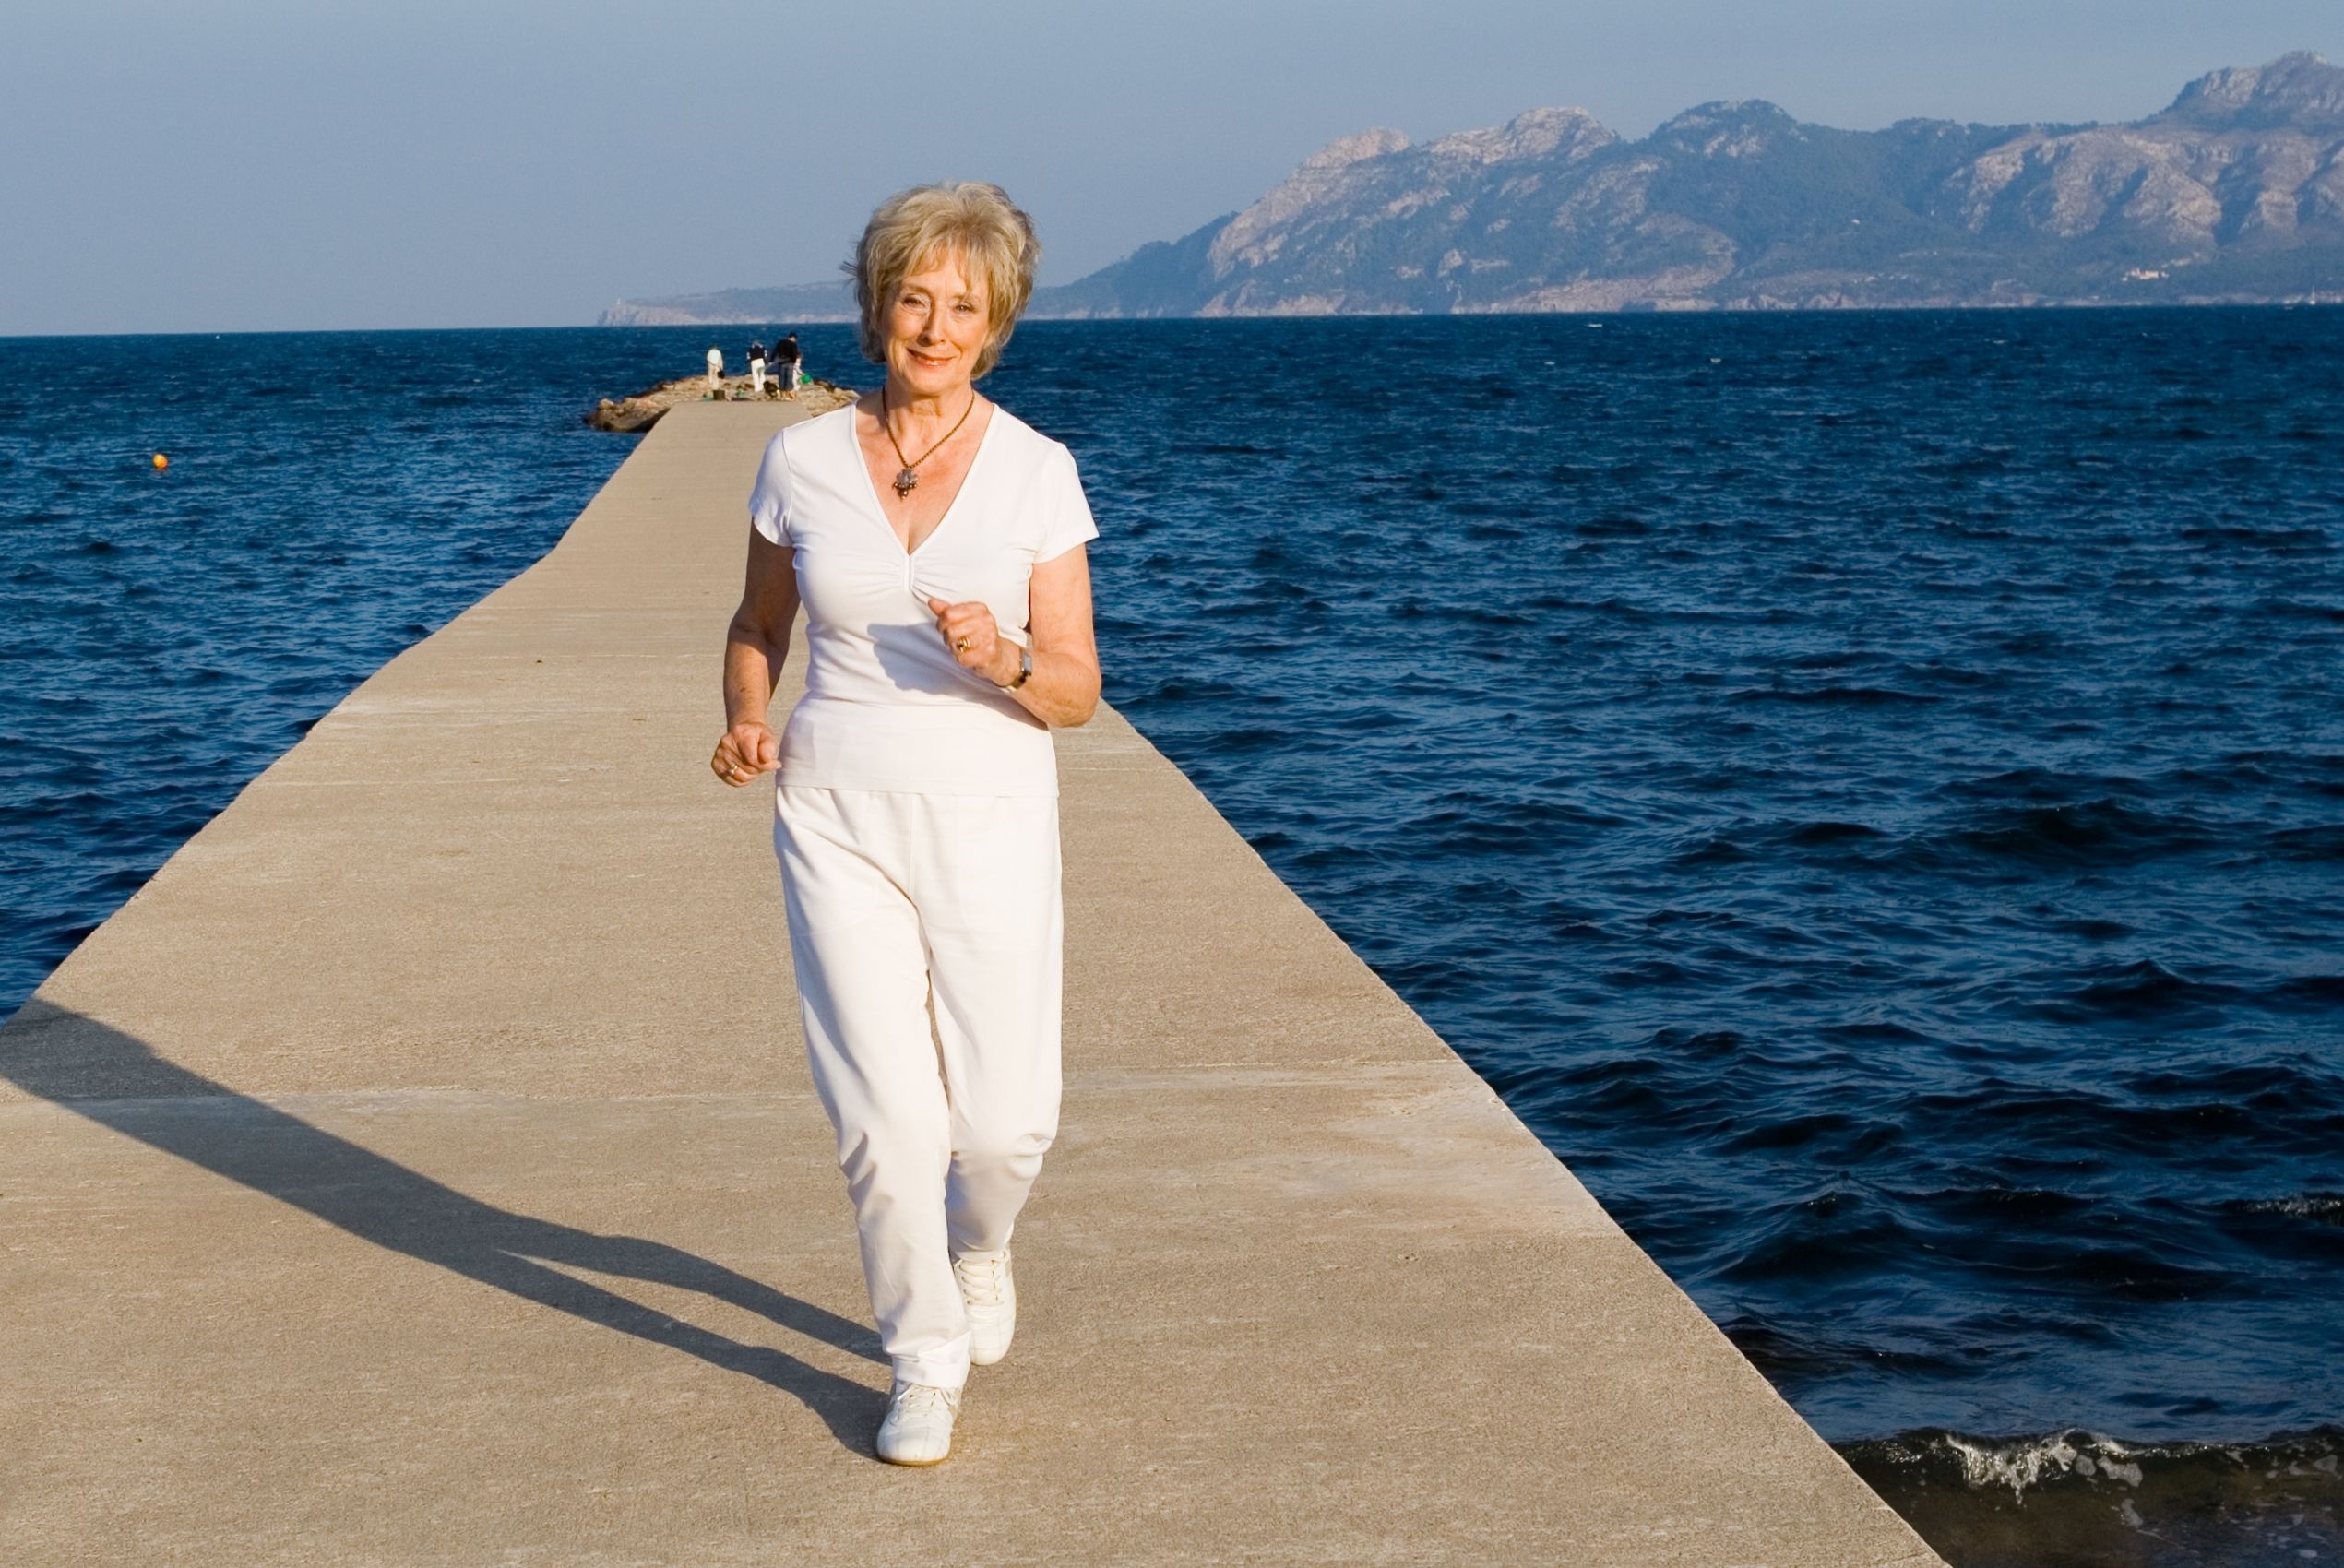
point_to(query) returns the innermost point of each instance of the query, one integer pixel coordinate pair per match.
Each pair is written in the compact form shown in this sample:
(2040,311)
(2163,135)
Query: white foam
(2034,1460)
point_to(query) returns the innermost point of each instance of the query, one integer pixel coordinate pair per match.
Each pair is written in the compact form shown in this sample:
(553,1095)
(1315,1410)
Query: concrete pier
(422,1168)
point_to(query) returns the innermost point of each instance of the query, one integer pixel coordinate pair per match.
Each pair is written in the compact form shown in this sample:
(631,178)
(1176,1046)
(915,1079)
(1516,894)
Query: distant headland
(2234,194)
(796,303)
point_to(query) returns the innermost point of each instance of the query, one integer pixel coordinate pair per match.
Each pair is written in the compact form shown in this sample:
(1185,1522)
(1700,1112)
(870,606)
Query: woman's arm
(755,645)
(1063,688)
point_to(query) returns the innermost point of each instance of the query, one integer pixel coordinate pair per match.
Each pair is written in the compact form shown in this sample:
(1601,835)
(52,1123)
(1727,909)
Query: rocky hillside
(791,304)
(2236,192)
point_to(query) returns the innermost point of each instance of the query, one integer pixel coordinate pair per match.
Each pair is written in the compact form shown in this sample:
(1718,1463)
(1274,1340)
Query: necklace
(907,478)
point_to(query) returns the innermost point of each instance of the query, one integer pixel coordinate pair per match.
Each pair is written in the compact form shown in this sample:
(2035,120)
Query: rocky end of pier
(634,415)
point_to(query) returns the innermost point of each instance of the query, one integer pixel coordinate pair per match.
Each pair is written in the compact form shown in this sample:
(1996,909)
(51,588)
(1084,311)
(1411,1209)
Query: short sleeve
(769,497)
(1069,511)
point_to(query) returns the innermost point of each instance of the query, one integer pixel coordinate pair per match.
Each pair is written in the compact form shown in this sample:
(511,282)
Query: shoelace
(920,1399)
(981,1278)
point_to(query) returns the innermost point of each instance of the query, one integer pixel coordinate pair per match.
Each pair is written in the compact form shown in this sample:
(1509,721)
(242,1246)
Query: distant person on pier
(756,367)
(716,369)
(916,796)
(786,356)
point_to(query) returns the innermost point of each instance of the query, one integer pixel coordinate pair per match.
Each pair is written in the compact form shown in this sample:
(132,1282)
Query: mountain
(2234,193)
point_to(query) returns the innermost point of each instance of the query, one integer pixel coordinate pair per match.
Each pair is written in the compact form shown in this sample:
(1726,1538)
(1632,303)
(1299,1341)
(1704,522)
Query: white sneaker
(918,1428)
(990,1294)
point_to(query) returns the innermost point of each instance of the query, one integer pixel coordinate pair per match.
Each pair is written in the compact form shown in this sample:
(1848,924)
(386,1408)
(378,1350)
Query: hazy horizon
(264,167)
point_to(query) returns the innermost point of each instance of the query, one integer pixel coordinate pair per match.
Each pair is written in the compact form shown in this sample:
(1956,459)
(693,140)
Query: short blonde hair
(910,229)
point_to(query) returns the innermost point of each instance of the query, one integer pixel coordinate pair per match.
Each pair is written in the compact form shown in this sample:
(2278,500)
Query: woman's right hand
(747,750)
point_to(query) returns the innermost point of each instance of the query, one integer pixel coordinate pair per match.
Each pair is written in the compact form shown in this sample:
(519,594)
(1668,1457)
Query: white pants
(757,375)
(893,899)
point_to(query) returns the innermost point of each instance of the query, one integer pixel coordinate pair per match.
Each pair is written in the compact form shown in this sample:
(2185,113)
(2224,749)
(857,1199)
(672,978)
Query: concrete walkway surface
(424,1169)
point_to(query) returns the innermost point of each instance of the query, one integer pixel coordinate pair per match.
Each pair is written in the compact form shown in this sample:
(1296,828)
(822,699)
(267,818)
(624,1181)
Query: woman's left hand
(976,641)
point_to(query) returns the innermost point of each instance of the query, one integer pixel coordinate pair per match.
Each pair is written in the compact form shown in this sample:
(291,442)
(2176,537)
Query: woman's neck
(911,412)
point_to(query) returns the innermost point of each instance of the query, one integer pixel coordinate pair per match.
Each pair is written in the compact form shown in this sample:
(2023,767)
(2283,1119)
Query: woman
(937,543)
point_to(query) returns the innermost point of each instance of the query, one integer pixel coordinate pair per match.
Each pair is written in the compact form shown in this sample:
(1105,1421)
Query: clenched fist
(747,750)
(976,641)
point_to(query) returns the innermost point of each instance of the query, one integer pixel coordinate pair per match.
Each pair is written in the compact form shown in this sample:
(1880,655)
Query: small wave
(2030,1461)
(2322,1208)
(1717,849)
(1808,834)
(1853,696)
(2324,844)
(2040,786)
(2299,608)
(1613,526)
(2314,541)
(2070,835)
(1840,1137)
(1874,1034)
(2142,990)
(2085,1500)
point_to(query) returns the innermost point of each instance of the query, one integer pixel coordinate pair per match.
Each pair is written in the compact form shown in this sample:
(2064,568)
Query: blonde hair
(912,228)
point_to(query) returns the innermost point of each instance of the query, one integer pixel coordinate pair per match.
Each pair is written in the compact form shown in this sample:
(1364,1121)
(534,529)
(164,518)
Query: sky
(253,165)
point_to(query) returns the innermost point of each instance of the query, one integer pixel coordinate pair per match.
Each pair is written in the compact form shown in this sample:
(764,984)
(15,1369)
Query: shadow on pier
(119,1083)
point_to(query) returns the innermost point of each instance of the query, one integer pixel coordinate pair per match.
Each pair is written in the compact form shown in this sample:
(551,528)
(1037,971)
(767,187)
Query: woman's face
(936,328)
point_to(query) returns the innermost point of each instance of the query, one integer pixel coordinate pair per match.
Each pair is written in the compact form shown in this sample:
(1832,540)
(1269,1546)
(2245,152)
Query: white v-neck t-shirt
(886,706)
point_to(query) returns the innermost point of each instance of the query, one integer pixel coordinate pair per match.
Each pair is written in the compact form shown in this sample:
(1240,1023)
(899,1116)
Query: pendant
(905,482)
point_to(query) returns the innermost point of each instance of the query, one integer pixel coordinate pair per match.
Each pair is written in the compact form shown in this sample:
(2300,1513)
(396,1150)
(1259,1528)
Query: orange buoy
(161,461)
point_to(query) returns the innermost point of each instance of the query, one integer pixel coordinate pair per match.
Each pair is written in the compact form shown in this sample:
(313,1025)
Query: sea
(1866,789)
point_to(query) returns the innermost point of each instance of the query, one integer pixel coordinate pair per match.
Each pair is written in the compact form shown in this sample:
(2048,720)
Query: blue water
(1868,790)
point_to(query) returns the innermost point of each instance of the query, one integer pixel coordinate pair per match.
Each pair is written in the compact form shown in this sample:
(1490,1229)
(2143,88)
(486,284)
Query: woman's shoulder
(829,422)
(1033,449)
(809,438)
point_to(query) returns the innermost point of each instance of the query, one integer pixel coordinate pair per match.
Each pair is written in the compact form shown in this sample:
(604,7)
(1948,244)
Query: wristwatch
(1025,668)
